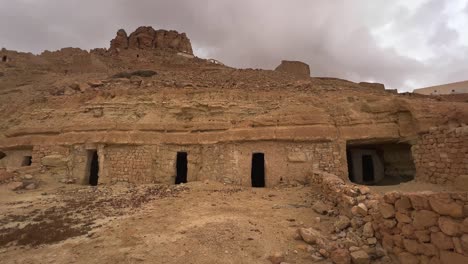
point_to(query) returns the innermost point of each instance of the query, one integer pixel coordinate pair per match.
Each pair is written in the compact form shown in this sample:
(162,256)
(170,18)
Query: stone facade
(441,156)
(285,162)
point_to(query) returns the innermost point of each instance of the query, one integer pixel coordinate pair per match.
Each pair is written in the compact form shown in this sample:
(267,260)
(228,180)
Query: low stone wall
(424,227)
(441,156)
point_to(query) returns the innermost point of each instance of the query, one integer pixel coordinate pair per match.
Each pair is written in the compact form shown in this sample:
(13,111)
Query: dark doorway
(4,58)
(367,168)
(2,155)
(27,161)
(258,170)
(94,169)
(181,168)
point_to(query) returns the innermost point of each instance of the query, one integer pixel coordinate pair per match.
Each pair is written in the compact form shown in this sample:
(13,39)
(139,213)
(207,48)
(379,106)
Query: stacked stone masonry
(422,227)
(441,156)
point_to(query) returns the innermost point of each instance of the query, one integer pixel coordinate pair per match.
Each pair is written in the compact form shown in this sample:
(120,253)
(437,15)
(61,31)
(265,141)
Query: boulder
(340,256)
(424,219)
(341,223)
(450,227)
(310,235)
(441,241)
(361,209)
(403,204)
(276,258)
(446,207)
(14,186)
(368,230)
(360,257)
(387,210)
(452,258)
(321,208)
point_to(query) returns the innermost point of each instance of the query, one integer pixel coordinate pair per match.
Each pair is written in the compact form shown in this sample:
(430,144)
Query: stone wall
(285,162)
(441,156)
(129,163)
(424,227)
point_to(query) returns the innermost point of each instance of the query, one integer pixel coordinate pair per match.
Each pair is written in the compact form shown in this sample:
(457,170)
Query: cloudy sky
(405,44)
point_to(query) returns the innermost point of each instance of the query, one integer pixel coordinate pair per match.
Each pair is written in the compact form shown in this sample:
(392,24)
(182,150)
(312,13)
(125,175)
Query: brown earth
(196,223)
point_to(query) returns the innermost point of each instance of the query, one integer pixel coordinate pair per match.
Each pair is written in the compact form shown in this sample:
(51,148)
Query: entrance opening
(367,168)
(181,168)
(4,58)
(94,169)
(27,161)
(2,155)
(380,164)
(258,170)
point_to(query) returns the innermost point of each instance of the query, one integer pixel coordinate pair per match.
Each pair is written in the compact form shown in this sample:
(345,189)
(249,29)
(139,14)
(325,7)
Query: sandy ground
(195,223)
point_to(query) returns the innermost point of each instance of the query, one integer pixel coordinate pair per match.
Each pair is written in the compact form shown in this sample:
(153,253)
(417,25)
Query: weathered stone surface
(368,230)
(447,207)
(441,241)
(297,68)
(403,204)
(148,38)
(452,258)
(362,209)
(402,218)
(464,242)
(276,258)
(411,246)
(310,235)
(407,258)
(424,219)
(342,222)
(14,186)
(321,208)
(6,176)
(340,256)
(387,210)
(419,201)
(54,161)
(449,226)
(360,257)
(297,157)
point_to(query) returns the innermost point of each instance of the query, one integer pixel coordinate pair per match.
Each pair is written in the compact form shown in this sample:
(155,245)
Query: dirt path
(203,223)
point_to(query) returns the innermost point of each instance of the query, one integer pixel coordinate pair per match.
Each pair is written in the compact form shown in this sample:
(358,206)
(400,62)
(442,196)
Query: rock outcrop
(149,38)
(297,68)
(378,86)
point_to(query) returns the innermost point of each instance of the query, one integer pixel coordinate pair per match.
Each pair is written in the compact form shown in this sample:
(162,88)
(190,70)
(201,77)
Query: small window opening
(94,168)
(258,170)
(27,161)
(181,168)
(2,155)
(138,55)
(4,58)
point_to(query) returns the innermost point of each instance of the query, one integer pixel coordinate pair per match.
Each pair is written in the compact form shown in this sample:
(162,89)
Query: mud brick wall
(441,156)
(129,163)
(424,227)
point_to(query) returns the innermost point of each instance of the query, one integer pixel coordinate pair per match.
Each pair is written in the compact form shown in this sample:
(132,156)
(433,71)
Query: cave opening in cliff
(93,168)
(258,170)
(181,168)
(2,155)
(4,58)
(375,163)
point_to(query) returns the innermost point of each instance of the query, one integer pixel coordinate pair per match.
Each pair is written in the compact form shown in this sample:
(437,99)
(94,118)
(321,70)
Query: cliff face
(149,38)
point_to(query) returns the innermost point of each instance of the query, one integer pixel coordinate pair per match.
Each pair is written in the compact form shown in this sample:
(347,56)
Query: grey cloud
(334,37)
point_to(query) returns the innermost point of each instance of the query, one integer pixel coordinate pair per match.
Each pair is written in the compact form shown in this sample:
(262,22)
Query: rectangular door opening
(181,168)
(367,168)
(258,170)
(94,169)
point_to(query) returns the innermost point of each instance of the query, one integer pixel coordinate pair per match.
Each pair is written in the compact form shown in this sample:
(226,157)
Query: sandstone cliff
(296,68)
(149,38)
